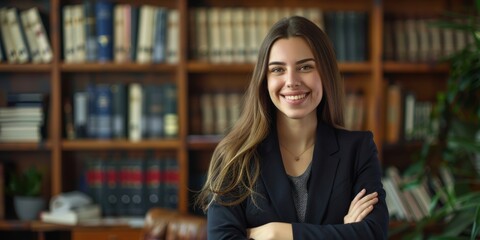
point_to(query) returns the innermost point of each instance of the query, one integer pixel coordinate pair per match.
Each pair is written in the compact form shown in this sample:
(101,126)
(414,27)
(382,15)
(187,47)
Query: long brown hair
(235,167)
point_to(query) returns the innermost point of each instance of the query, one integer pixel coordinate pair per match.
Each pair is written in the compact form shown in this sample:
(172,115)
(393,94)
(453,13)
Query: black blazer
(344,162)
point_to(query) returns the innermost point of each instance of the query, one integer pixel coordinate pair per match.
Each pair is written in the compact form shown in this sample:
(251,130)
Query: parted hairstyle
(235,164)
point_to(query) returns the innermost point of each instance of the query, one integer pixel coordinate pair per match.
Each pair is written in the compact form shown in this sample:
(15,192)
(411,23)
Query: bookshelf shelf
(362,67)
(119,144)
(26,146)
(204,67)
(117,67)
(25,67)
(394,67)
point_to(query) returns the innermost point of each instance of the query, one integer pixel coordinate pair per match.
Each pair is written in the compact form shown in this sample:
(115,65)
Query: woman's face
(294,84)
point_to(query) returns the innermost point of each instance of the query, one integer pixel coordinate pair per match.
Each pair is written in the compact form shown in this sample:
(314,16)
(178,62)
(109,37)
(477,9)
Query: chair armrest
(168,224)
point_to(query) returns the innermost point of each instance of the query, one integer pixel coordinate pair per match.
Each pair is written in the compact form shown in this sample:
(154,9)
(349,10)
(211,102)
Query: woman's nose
(292,80)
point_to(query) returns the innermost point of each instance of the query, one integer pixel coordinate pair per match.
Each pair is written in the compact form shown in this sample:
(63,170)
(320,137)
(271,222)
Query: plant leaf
(476,223)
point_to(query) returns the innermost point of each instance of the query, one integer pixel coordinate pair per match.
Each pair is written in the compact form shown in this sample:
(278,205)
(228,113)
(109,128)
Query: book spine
(80,113)
(119,110)
(110,198)
(160,32)
(103,105)
(68,45)
(78,29)
(104,28)
(44,47)
(171,183)
(135,112)
(153,178)
(170,117)
(173,36)
(90,31)
(30,36)
(10,52)
(154,105)
(145,35)
(17,36)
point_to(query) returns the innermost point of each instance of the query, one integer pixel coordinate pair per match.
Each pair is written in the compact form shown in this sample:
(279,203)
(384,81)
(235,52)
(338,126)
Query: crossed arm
(359,208)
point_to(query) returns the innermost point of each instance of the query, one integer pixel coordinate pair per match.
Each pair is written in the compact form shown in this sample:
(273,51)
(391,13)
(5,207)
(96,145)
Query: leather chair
(168,224)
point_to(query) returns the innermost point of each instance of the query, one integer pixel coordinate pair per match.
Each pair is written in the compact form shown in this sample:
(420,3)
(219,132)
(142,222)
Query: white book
(400,38)
(201,34)
(239,35)
(17,36)
(119,53)
(234,108)
(43,43)
(145,34)
(394,210)
(412,40)
(214,36)
(253,35)
(263,23)
(226,32)
(9,46)
(135,101)
(221,112)
(206,106)
(30,36)
(72,217)
(435,41)
(424,40)
(79,36)
(173,36)
(68,44)
(448,41)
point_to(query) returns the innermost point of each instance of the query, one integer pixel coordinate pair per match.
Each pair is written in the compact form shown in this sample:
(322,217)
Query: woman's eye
(306,68)
(276,70)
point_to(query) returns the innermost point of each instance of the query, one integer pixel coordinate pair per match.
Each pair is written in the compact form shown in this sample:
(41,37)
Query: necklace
(297,157)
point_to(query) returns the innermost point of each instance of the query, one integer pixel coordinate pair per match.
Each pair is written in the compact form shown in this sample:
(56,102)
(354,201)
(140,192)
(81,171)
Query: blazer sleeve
(367,175)
(226,222)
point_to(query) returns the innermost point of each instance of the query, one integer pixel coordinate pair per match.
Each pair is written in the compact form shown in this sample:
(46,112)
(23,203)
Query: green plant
(454,142)
(28,183)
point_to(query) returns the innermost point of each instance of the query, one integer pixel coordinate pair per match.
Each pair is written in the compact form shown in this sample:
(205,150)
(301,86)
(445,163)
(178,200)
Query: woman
(288,169)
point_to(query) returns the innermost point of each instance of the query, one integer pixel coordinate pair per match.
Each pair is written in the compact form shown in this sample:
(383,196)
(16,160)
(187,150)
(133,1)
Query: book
(104,30)
(220,110)
(68,42)
(80,113)
(145,34)
(119,32)
(90,31)
(10,53)
(171,180)
(2,191)
(170,116)
(103,110)
(18,37)
(110,200)
(153,182)
(173,36)
(119,110)
(30,37)
(135,101)
(79,36)
(394,112)
(73,216)
(38,27)
(159,53)
(154,111)
(95,177)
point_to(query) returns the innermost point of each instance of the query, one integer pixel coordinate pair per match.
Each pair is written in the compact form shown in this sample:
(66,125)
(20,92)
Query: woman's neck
(297,133)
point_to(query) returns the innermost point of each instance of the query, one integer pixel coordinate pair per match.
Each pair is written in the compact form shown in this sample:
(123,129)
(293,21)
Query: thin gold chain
(297,157)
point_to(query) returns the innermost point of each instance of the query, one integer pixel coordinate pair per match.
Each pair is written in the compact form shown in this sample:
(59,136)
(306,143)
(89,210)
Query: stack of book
(23,117)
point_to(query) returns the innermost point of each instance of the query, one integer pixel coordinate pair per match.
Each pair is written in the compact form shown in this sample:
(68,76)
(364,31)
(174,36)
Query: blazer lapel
(275,179)
(324,167)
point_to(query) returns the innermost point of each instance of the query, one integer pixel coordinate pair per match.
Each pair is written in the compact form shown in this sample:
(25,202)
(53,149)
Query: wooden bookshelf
(192,77)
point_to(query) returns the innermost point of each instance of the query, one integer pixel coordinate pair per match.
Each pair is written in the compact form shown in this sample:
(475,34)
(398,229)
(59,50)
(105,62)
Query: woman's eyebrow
(298,62)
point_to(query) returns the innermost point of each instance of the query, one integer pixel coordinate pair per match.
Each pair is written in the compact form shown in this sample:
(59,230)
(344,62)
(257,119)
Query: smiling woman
(288,169)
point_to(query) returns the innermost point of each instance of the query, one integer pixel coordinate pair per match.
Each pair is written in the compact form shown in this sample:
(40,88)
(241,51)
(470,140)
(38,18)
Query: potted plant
(454,142)
(25,188)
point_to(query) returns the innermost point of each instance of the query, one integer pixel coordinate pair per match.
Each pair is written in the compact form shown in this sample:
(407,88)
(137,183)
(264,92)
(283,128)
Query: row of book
(23,37)
(354,112)
(23,119)
(129,186)
(414,203)
(123,111)
(103,31)
(407,118)
(219,111)
(417,40)
(233,35)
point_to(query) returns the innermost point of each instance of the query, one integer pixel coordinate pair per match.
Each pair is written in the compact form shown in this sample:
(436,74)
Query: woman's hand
(273,230)
(360,207)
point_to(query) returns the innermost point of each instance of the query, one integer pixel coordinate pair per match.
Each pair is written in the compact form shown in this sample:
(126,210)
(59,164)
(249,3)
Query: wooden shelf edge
(396,67)
(203,142)
(92,144)
(25,146)
(29,67)
(117,67)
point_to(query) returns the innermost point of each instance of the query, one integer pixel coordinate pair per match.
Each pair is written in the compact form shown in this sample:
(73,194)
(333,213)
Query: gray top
(300,192)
